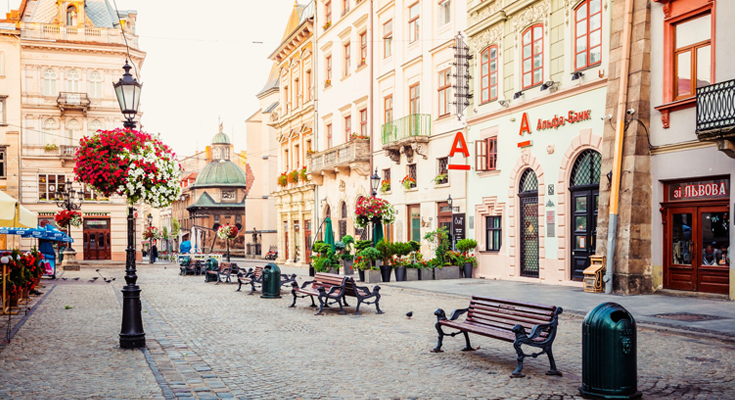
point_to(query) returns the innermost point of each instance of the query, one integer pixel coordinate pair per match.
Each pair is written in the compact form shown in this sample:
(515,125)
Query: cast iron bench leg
(440,339)
(552,368)
(293,292)
(377,303)
(252,286)
(518,373)
(468,346)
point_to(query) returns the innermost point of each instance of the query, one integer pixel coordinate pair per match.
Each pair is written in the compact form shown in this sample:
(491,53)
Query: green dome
(221,138)
(221,173)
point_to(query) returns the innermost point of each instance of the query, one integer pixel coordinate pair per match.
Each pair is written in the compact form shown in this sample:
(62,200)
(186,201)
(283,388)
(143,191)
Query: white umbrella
(13,215)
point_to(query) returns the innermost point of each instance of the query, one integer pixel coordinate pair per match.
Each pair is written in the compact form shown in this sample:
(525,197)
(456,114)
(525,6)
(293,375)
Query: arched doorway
(528,193)
(584,188)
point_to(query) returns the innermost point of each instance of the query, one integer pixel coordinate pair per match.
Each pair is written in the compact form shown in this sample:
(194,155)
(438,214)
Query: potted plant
(293,176)
(364,263)
(385,186)
(346,255)
(283,180)
(387,251)
(402,250)
(51,147)
(302,175)
(439,238)
(469,261)
(441,178)
(327,260)
(327,83)
(408,183)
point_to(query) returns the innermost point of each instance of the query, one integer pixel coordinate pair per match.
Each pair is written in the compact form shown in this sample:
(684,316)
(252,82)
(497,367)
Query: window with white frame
(489,74)
(414,26)
(95,84)
(346,65)
(328,62)
(493,233)
(363,48)
(533,56)
(49,83)
(327,14)
(445,12)
(388,109)
(363,122)
(388,39)
(72,81)
(348,128)
(329,136)
(445,83)
(345,7)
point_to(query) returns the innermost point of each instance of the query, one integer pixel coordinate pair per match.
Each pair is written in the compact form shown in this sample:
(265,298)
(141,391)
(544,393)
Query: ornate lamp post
(70,200)
(375,183)
(132,334)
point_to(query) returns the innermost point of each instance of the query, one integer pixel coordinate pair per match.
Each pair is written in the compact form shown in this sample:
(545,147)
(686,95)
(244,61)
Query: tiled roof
(100,12)
(270,108)
(45,12)
(206,201)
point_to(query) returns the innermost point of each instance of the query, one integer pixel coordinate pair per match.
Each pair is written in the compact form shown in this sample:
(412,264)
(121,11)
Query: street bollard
(271,288)
(609,354)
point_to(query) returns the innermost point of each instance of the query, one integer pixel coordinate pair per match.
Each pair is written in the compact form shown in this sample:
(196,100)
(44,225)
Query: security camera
(631,111)
(604,117)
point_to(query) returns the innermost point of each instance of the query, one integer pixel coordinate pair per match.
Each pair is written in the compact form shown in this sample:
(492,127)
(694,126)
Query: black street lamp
(375,183)
(70,200)
(132,334)
(451,209)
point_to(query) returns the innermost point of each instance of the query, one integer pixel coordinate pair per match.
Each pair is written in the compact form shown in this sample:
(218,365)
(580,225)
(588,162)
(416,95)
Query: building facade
(9,113)
(72,52)
(539,72)
(293,121)
(415,122)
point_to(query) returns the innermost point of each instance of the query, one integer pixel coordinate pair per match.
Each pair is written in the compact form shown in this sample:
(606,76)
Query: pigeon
(91,280)
(113,279)
(108,280)
(409,314)
(63,279)
(95,278)
(76,279)
(97,270)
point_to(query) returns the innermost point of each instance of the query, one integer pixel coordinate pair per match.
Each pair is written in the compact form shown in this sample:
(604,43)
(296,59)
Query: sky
(202,64)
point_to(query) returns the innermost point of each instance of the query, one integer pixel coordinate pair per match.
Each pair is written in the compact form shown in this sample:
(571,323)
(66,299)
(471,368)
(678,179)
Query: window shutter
(480,155)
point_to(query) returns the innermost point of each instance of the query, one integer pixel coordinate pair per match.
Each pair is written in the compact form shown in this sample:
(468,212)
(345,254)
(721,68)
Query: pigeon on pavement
(409,314)
(76,279)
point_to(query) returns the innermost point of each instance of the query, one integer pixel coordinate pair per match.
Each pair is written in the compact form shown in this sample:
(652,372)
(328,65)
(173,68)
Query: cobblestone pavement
(208,341)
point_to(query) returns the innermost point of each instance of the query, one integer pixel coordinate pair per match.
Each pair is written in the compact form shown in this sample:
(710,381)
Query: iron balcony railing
(73,100)
(409,126)
(716,109)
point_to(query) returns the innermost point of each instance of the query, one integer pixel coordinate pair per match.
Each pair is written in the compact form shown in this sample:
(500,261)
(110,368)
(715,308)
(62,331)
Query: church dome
(221,138)
(221,173)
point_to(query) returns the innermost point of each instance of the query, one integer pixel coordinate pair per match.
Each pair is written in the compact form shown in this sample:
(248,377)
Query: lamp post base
(70,262)
(132,335)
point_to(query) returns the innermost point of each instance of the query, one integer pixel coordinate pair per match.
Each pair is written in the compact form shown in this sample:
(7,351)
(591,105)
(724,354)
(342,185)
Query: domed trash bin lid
(609,354)
(271,288)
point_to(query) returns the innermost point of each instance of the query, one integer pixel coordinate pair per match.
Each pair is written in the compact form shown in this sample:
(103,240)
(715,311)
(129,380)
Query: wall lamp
(548,85)
(576,75)
(504,103)
(517,95)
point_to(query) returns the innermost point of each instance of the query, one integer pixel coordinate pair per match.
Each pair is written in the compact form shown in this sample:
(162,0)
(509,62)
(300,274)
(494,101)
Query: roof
(270,108)
(221,138)
(206,201)
(100,12)
(221,173)
(274,79)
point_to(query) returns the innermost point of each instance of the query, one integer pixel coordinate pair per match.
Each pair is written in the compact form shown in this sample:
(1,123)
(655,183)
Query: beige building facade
(9,115)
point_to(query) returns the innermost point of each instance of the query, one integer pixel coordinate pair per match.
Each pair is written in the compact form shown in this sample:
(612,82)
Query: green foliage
(415,246)
(326,259)
(387,250)
(176,227)
(440,239)
(366,257)
(348,240)
(363,244)
(344,247)
(466,245)
(164,233)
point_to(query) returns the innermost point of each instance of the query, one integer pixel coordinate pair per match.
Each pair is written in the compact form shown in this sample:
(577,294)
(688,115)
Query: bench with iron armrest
(223,272)
(255,277)
(505,320)
(325,287)
(362,293)
(194,268)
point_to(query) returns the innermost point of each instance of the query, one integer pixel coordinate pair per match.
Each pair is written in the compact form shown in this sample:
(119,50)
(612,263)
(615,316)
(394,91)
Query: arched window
(95,84)
(343,220)
(529,182)
(49,129)
(533,56)
(529,235)
(587,168)
(588,34)
(71,16)
(49,83)
(72,81)
(73,127)
(95,125)
(489,74)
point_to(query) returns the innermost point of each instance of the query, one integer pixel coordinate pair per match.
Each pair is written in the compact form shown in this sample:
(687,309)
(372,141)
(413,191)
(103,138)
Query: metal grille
(344,210)
(529,183)
(361,234)
(412,174)
(342,228)
(716,107)
(529,236)
(587,168)
(443,162)
(462,77)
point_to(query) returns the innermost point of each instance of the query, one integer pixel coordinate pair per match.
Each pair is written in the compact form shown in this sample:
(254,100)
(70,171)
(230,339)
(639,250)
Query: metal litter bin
(609,354)
(211,265)
(271,288)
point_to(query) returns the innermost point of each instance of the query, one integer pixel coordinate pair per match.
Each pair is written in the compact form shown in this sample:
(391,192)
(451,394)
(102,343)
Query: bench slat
(480,313)
(539,313)
(513,302)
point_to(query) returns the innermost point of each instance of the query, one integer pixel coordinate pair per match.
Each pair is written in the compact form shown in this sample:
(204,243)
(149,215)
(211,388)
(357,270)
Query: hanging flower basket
(65,218)
(227,232)
(373,209)
(151,233)
(129,163)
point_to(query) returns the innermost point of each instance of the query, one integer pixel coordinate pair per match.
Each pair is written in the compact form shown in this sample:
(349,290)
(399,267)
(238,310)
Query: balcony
(407,135)
(716,115)
(73,101)
(57,32)
(353,155)
(68,152)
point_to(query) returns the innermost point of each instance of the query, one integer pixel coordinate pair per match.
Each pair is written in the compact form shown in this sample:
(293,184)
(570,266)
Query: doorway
(96,239)
(584,188)
(528,193)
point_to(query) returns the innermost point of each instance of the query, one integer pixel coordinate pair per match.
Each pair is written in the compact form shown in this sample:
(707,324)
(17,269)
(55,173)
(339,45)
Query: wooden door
(96,238)
(680,250)
(307,239)
(584,229)
(713,263)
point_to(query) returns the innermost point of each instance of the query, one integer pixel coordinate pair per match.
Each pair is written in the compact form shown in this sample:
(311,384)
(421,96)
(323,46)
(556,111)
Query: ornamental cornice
(83,48)
(483,10)
(538,12)
(488,37)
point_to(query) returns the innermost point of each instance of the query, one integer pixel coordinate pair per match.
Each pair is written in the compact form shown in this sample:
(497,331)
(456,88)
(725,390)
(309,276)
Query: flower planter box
(347,267)
(386,271)
(448,272)
(412,274)
(373,276)
(467,270)
(400,274)
(426,274)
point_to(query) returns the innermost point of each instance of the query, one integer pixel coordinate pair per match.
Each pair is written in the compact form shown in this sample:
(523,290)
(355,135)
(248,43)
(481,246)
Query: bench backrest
(224,265)
(503,314)
(258,272)
(328,281)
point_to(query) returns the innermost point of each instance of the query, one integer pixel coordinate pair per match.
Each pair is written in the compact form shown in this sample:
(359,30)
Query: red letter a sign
(524,125)
(459,146)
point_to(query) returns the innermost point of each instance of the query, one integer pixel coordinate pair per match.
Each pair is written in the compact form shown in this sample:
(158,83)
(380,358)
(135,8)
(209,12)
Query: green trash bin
(211,265)
(609,354)
(271,288)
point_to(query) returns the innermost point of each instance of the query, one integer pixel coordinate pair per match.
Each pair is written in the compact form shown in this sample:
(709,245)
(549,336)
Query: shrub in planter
(440,239)
(364,260)
(387,251)
(468,260)
(345,253)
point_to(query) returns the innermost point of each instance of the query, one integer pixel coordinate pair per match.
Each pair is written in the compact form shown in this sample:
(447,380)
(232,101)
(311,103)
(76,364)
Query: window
(363,122)
(413,22)
(493,233)
(489,74)
(445,12)
(297,92)
(444,85)
(414,98)
(533,55)
(345,7)
(73,128)
(388,107)
(2,110)
(387,39)
(386,174)
(308,86)
(486,154)
(285,160)
(328,14)
(95,84)
(95,125)
(308,146)
(72,81)
(49,83)
(286,99)
(692,56)
(48,185)
(3,173)
(442,171)
(71,16)
(329,71)
(412,174)
(49,128)
(348,127)
(346,69)
(363,48)
(329,136)
(296,157)
(588,34)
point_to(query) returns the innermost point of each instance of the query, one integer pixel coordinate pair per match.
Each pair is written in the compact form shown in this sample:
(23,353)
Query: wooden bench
(224,271)
(255,277)
(194,267)
(505,320)
(324,287)
(362,293)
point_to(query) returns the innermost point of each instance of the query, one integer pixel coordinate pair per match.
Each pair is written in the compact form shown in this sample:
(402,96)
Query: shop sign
(558,121)
(550,223)
(459,146)
(458,226)
(699,190)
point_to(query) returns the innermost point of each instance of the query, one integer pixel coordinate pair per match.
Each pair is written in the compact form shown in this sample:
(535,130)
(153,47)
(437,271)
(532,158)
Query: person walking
(154,253)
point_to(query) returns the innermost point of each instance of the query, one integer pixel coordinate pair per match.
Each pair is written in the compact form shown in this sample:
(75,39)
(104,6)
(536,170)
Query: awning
(13,215)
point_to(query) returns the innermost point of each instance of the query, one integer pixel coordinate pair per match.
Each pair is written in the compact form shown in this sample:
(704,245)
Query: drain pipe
(612,231)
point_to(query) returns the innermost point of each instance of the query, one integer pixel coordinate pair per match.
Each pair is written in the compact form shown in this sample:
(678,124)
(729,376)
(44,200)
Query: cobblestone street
(208,341)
